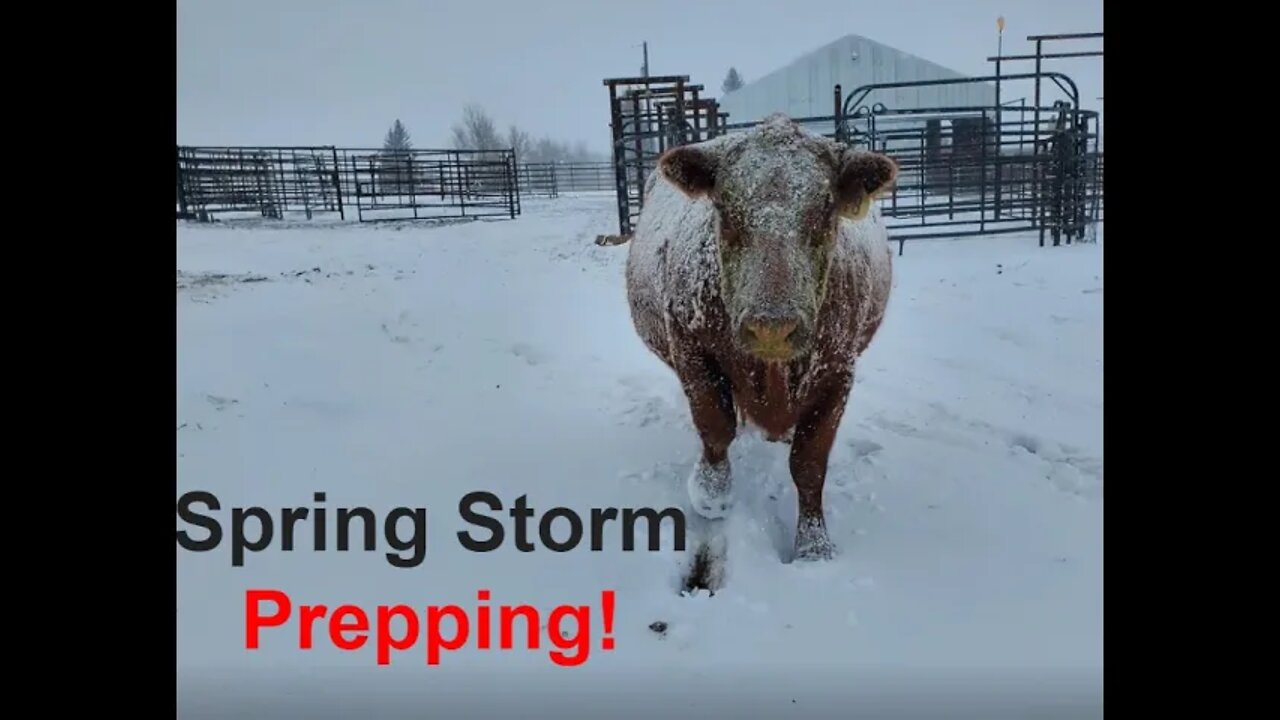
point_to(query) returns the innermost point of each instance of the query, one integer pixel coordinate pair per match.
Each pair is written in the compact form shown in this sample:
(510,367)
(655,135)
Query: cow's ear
(690,168)
(862,177)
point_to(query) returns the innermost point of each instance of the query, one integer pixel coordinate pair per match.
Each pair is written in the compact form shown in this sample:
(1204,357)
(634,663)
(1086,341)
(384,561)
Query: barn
(803,88)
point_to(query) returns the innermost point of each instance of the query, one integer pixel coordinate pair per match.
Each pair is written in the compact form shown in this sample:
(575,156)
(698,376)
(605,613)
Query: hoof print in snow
(865,449)
(706,572)
(528,353)
(1025,442)
(221,402)
(395,338)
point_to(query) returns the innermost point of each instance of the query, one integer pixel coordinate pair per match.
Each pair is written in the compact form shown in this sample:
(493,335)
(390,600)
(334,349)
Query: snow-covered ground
(410,365)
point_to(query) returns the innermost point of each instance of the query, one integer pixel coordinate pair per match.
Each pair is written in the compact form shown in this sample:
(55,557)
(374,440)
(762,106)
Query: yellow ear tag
(861,210)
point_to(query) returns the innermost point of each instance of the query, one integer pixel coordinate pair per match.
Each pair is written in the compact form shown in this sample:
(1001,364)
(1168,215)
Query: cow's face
(780,195)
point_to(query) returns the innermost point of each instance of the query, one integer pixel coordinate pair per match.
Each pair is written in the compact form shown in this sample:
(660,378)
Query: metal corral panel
(804,87)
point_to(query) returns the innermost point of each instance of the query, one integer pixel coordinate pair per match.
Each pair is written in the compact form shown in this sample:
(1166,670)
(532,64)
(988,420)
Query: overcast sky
(338,72)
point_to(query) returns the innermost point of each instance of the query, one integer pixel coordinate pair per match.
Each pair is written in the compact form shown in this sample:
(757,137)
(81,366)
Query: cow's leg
(810,450)
(711,404)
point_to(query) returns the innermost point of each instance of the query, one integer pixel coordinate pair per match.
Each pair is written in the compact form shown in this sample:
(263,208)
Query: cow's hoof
(711,490)
(812,542)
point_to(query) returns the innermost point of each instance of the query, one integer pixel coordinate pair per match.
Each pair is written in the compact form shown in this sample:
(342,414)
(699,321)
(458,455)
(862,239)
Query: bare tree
(519,141)
(543,151)
(477,131)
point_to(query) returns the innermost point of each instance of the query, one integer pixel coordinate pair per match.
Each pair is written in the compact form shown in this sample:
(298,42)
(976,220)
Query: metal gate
(273,182)
(433,184)
(967,171)
(648,115)
(964,171)
(265,181)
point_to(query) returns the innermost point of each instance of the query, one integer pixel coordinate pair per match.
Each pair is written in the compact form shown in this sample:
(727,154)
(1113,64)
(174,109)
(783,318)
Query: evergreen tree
(395,169)
(397,138)
(732,81)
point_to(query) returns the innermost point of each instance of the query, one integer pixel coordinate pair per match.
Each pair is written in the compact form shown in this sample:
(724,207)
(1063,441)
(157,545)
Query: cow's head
(780,194)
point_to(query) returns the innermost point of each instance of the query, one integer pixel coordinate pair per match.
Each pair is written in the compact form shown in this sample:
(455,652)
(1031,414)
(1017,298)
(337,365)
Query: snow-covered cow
(759,271)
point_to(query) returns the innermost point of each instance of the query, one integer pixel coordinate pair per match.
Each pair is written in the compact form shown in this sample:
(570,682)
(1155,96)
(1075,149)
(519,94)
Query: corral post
(257,169)
(680,113)
(697,123)
(1062,158)
(999,116)
(640,123)
(513,184)
(841,132)
(619,165)
(404,175)
(337,183)
(665,132)
(303,183)
(924,183)
(1039,181)
(464,182)
(982,174)
(281,199)
(355,185)
(1022,126)
(182,191)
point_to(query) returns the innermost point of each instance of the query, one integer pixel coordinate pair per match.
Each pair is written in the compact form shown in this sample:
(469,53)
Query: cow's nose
(770,333)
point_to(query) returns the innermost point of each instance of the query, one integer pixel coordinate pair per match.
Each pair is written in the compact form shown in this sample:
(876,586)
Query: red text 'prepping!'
(435,628)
